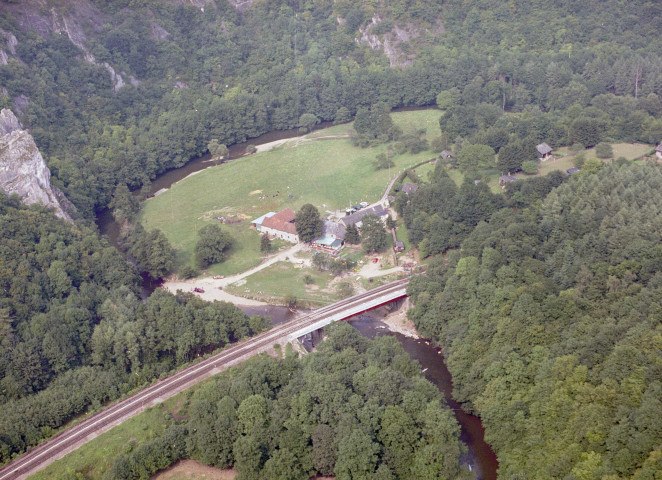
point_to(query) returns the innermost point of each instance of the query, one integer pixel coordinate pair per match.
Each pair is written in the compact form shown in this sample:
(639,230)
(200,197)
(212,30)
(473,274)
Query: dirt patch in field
(192,470)
(255,192)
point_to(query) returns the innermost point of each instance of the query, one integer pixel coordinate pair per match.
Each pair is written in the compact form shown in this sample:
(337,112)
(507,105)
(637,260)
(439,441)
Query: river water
(480,456)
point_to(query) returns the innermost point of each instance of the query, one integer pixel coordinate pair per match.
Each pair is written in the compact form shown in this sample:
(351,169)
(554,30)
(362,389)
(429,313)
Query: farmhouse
(544,151)
(332,239)
(355,218)
(409,188)
(446,154)
(504,179)
(257,223)
(281,225)
(658,151)
(399,246)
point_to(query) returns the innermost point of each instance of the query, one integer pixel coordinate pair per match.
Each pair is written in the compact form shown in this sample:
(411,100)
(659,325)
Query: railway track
(72,438)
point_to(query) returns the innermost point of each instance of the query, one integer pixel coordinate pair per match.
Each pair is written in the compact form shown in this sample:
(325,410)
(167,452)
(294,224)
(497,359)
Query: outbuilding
(544,151)
(504,179)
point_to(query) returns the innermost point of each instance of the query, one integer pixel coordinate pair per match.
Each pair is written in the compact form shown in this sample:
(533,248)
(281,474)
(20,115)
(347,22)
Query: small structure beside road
(355,218)
(409,188)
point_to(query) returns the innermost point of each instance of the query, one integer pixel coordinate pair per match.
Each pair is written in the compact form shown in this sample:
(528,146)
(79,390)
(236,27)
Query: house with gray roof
(658,151)
(355,218)
(544,151)
(409,188)
(504,179)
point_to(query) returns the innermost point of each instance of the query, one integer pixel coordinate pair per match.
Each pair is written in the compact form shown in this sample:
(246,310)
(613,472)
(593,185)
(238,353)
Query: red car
(199,290)
(375,260)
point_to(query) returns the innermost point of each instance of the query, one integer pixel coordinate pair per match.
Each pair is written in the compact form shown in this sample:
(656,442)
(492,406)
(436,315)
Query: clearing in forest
(330,174)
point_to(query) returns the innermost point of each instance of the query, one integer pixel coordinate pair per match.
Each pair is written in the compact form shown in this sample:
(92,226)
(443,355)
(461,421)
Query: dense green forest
(545,299)
(232,75)
(550,319)
(73,330)
(356,409)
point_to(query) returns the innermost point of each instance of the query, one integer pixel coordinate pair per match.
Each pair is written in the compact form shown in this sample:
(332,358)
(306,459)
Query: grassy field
(268,284)
(330,174)
(95,457)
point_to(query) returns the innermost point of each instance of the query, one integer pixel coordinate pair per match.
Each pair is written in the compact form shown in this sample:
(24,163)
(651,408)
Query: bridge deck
(116,413)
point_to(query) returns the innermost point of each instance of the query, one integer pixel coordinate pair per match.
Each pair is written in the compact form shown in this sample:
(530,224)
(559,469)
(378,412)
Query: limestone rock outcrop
(22,168)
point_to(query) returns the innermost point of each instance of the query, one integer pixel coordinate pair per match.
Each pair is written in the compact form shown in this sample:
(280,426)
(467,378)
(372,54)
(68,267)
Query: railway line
(102,421)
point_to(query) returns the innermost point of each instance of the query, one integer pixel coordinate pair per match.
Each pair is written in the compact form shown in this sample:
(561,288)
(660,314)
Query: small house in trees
(658,151)
(281,225)
(399,246)
(446,154)
(504,179)
(409,188)
(544,151)
(570,171)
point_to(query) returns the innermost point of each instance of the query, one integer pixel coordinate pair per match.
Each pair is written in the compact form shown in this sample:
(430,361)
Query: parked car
(375,260)
(199,290)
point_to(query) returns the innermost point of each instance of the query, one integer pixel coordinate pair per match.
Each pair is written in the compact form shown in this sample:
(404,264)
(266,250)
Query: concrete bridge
(116,413)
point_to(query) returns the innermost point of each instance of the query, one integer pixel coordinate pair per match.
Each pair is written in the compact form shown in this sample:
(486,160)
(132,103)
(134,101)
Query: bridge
(116,413)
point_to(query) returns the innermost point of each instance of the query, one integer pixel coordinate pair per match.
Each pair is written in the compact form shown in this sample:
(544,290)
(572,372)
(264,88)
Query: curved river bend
(480,458)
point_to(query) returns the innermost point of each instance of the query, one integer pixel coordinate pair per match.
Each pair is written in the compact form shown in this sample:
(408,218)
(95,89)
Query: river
(481,458)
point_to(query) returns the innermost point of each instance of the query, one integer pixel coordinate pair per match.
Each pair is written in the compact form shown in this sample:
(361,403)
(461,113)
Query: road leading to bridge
(72,438)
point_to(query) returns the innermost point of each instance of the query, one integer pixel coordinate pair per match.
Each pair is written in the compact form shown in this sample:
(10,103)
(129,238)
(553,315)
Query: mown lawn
(330,174)
(282,279)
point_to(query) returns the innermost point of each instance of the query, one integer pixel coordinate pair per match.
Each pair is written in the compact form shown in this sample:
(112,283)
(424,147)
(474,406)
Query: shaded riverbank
(480,457)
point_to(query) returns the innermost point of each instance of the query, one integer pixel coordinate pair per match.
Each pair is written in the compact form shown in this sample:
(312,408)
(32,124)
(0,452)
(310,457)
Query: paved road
(69,440)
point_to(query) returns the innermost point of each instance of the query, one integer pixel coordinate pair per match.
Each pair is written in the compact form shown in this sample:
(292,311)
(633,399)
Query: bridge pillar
(312,339)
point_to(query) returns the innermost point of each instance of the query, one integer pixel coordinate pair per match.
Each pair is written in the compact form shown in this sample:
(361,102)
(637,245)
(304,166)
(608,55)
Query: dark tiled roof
(358,216)
(446,154)
(507,178)
(572,170)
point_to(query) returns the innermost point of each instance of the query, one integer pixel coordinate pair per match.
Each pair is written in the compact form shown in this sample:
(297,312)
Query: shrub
(188,271)
(530,167)
(604,150)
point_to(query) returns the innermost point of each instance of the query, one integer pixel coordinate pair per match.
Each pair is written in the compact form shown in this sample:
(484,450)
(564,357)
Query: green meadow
(331,174)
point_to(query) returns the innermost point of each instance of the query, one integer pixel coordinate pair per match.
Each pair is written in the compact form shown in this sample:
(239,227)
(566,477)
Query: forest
(545,299)
(549,317)
(74,331)
(354,409)
(550,62)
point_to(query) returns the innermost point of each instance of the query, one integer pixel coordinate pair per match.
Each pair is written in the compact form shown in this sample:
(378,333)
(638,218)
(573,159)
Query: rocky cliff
(22,168)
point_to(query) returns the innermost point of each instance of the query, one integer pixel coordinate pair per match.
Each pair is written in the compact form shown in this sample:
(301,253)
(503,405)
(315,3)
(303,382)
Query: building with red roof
(281,225)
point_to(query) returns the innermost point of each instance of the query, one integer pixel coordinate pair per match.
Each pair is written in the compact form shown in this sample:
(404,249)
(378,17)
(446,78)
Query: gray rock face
(22,168)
